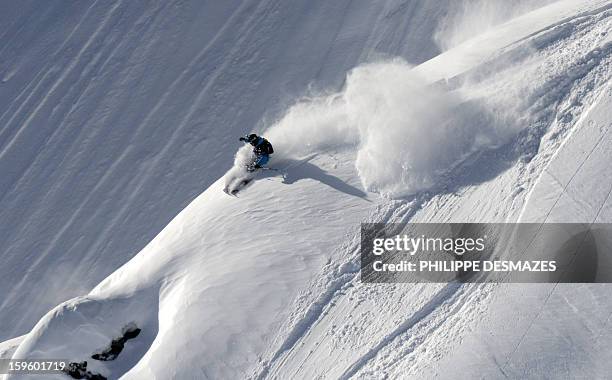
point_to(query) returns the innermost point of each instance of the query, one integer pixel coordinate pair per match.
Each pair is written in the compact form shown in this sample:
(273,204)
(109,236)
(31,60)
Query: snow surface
(266,284)
(115,116)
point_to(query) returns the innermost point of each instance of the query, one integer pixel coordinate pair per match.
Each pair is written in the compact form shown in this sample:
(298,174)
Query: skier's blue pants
(262,160)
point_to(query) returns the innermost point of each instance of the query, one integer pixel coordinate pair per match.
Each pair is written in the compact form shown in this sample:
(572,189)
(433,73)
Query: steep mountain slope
(267,285)
(115,115)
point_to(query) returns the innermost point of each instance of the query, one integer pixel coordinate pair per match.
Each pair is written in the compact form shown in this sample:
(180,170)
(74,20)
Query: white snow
(8,347)
(387,111)
(511,125)
(467,19)
(114,117)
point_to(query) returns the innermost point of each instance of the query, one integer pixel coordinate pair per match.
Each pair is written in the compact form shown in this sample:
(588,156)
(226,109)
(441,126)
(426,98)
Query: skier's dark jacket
(262,146)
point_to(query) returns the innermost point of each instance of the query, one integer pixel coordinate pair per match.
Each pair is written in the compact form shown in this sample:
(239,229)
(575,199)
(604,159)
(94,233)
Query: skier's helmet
(252,137)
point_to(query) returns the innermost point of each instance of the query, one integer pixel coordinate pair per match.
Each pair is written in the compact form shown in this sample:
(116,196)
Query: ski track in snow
(445,295)
(341,277)
(427,318)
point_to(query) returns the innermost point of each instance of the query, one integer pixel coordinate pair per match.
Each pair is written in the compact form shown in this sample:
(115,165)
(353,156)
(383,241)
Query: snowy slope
(115,115)
(490,331)
(266,284)
(561,329)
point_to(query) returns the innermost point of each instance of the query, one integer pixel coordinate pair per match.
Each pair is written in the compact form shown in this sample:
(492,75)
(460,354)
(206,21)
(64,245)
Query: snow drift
(408,134)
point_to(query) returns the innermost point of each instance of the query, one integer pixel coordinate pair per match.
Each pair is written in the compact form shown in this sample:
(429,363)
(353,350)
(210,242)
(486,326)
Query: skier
(262,151)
